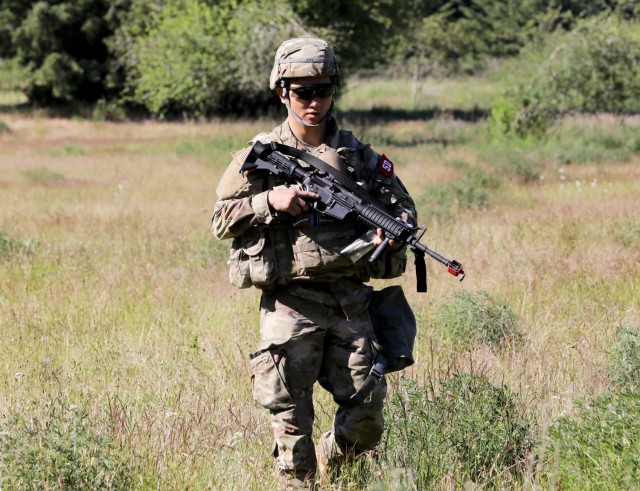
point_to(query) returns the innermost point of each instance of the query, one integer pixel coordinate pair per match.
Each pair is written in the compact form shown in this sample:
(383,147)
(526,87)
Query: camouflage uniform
(314,320)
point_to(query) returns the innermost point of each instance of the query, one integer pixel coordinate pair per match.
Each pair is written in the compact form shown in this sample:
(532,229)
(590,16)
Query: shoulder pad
(265,137)
(347,139)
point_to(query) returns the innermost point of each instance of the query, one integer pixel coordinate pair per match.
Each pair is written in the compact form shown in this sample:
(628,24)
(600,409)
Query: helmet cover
(304,57)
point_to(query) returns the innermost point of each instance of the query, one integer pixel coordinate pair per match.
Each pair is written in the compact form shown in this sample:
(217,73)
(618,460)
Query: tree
(194,57)
(62,46)
(365,32)
(594,69)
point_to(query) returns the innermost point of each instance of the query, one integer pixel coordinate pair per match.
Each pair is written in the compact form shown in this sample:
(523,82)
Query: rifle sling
(321,165)
(351,185)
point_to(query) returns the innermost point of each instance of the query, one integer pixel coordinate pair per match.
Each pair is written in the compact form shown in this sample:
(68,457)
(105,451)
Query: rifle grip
(379,251)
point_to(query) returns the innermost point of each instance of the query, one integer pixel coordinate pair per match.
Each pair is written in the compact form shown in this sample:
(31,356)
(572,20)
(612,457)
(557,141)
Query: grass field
(124,350)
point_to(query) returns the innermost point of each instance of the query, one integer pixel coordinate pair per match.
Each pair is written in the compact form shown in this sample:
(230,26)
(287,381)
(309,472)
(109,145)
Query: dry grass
(124,307)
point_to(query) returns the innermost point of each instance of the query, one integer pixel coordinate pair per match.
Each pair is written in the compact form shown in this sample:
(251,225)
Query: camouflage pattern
(304,57)
(314,323)
(309,333)
(309,247)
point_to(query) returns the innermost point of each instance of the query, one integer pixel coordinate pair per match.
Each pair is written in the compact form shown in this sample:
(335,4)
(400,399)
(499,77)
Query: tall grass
(114,300)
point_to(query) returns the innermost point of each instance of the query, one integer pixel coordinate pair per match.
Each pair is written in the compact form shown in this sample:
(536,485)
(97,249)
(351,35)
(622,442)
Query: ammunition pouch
(391,264)
(252,259)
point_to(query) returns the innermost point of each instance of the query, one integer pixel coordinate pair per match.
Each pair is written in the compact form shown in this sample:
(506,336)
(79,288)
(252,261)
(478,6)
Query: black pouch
(395,327)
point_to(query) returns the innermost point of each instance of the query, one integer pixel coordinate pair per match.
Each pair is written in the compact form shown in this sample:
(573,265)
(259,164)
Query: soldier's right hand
(290,199)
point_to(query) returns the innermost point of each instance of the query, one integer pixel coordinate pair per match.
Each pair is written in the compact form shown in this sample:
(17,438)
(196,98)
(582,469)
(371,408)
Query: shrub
(624,364)
(477,317)
(61,46)
(470,192)
(599,449)
(628,233)
(193,58)
(44,174)
(10,246)
(60,450)
(470,429)
(595,68)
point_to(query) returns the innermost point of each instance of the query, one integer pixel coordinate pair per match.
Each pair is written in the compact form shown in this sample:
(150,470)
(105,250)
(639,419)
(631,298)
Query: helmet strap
(300,120)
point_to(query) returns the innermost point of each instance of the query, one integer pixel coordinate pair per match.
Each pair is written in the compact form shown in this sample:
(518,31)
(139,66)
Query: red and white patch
(385,166)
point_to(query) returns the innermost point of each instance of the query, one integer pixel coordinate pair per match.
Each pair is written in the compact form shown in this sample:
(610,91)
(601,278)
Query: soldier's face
(313,100)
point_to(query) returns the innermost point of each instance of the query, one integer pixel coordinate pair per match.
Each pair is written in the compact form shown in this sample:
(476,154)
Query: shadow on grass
(387,114)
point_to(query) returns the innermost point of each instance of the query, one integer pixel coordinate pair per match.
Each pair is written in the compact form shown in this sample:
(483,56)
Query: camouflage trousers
(320,332)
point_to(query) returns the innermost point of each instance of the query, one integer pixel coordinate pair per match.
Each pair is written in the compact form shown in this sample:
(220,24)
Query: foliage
(469,192)
(624,364)
(461,36)
(10,246)
(60,450)
(198,57)
(470,429)
(477,317)
(365,33)
(44,174)
(61,45)
(12,12)
(599,448)
(628,234)
(11,74)
(190,57)
(464,36)
(596,68)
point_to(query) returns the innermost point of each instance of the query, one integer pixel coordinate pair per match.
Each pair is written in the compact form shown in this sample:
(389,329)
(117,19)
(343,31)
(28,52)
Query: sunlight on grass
(114,297)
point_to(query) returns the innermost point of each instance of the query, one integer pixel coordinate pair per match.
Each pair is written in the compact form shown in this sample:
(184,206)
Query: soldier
(314,318)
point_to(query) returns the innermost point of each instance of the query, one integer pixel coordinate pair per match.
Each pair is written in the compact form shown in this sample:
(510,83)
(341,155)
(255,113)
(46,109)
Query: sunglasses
(308,92)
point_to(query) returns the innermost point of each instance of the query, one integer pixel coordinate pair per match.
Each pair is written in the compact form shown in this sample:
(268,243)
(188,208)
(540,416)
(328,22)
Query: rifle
(340,196)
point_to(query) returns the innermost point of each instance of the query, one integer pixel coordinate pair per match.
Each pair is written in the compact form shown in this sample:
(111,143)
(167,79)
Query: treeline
(213,57)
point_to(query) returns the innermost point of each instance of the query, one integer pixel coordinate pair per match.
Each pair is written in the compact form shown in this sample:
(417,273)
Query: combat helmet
(304,57)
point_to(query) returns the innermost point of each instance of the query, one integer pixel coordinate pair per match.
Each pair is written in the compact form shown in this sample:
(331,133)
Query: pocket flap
(253,242)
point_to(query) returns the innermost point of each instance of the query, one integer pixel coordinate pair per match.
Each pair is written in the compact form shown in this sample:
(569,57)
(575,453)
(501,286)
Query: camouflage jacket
(272,248)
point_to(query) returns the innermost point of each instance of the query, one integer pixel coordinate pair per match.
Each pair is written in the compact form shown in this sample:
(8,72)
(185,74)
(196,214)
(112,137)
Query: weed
(477,317)
(67,149)
(574,140)
(42,175)
(4,128)
(628,234)
(214,251)
(624,364)
(471,429)
(470,192)
(9,246)
(599,448)
(61,450)
(514,157)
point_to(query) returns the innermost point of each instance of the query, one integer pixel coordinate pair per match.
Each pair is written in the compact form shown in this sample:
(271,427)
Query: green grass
(42,175)
(114,298)
(64,449)
(473,318)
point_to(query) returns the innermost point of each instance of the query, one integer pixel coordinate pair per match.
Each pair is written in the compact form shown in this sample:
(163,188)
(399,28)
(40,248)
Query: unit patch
(385,166)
